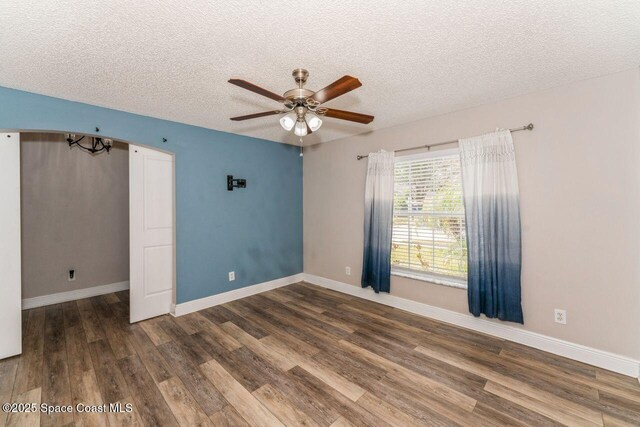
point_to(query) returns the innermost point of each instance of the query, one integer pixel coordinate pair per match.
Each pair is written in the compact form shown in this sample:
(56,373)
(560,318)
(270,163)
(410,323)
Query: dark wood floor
(299,355)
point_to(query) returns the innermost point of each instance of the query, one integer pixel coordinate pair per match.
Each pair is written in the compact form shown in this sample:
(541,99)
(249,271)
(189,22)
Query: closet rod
(428,146)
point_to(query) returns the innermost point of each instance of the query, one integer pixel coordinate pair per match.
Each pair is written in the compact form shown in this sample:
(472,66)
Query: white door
(10,269)
(151,232)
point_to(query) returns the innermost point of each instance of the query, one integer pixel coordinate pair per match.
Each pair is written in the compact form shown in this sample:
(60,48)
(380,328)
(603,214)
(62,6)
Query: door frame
(10,250)
(173,178)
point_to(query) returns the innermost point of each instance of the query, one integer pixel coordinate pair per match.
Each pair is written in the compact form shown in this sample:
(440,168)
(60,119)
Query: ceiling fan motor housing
(299,95)
(300,75)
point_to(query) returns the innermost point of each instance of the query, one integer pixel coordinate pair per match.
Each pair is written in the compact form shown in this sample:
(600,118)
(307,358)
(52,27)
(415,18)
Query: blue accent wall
(256,231)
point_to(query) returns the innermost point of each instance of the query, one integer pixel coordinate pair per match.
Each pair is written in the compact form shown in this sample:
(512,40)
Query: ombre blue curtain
(378,221)
(491,202)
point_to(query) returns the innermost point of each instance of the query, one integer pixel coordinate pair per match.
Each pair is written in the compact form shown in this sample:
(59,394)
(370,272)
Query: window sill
(452,283)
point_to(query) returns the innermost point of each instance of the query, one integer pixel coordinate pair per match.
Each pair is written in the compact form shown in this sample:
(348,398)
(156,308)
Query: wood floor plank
(71,314)
(497,378)
(333,379)
(111,383)
(263,319)
(85,391)
(56,389)
(111,298)
(620,407)
(610,421)
(125,418)
(193,322)
(548,409)
(354,369)
(90,321)
(427,384)
(149,401)
(251,329)
(562,385)
(305,399)
(322,317)
(255,345)
(332,398)
(544,370)
(157,366)
(244,402)
(282,408)
(8,369)
(341,422)
(26,418)
(466,383)
(249,369)
(207,396)
(29,375)
(228,417)
(420,406)
(139,339)
(577,368)
(184,407)
(78,353)
(153,330)
(612,383)
(278,296)
(290,353)
(210,343)
(308,320)
(291,327)
(226,340)
(489,416)
(387,412)
(334,295)
(118,340)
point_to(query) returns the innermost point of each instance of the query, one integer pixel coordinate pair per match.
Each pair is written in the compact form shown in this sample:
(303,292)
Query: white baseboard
(602,359)
(202,303)
(41,301)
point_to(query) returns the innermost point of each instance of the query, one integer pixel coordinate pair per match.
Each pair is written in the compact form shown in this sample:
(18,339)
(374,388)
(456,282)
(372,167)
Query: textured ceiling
(416,58)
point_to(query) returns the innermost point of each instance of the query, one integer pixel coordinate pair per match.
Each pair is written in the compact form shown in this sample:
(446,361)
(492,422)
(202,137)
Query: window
(429,237)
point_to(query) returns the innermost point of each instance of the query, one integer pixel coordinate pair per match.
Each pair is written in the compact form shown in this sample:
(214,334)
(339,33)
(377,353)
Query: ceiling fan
(302,106)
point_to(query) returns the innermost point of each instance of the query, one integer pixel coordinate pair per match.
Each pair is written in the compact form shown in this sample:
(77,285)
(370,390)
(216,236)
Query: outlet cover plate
(560,316)
(232,276)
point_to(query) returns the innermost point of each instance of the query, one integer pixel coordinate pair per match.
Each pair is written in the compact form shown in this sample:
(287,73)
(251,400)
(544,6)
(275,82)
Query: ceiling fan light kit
(288,122)
(301,106)
(301,128)
(314,121)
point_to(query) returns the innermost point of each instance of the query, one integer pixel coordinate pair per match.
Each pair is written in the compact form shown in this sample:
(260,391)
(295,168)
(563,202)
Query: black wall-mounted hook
(235,183)
(97,129)
(164,139)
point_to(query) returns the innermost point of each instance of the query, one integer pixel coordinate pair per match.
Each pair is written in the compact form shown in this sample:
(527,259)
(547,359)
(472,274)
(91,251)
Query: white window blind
(428,218)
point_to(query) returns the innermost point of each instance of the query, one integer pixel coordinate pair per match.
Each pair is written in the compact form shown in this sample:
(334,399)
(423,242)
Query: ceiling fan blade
(348,115)
(257,89)
(339,87)
(256,115)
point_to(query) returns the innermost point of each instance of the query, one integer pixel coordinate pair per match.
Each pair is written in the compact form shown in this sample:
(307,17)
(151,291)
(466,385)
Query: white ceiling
(415,58)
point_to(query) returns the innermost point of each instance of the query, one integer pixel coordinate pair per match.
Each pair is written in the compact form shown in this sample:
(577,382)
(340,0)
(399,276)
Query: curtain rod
(428,146)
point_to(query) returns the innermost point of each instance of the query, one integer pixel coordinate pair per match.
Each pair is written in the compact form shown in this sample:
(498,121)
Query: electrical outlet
(232,276)
(560,316)
(72,275)
(347,270)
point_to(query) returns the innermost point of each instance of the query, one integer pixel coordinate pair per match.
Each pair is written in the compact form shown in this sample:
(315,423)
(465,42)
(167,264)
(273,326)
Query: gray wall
(579,186)
(75,214)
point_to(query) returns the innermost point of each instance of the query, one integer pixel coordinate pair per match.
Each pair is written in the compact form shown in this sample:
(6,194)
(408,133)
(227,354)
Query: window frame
(438,279)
